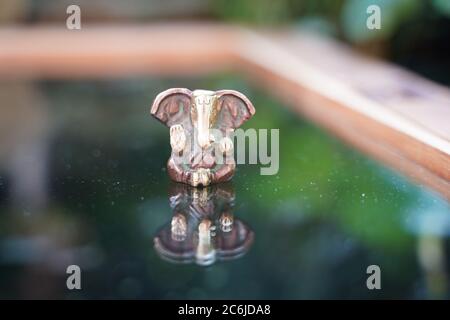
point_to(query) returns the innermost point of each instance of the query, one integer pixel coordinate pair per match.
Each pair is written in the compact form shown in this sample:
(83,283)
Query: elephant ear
(172,106)
(234,108)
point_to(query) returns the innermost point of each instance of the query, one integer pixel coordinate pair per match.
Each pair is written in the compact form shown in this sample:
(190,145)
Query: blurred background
(409,26)
(83,181)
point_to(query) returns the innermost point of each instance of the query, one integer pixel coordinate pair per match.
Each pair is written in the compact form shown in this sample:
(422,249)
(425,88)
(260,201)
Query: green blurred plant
(345,18)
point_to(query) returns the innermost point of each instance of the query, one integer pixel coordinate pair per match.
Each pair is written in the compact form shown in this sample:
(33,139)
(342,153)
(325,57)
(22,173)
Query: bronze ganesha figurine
(201,125)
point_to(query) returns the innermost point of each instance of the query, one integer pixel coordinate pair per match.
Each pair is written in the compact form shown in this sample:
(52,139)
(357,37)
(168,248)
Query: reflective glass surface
(83,182)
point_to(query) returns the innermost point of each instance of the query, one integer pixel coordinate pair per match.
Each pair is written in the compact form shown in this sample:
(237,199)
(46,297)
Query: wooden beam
(387,112)
(113,51)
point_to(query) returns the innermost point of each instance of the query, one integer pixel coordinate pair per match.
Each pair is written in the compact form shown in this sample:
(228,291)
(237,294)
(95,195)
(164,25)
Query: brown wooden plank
(387,112)
(113,51)
(317,90)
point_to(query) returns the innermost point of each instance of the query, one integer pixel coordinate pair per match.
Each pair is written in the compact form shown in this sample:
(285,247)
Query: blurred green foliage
(443,6)
(414,33)
(348,17)
(393,13)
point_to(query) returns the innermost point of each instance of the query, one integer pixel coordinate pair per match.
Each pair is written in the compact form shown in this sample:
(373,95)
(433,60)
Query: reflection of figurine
(203,228)
(201,123)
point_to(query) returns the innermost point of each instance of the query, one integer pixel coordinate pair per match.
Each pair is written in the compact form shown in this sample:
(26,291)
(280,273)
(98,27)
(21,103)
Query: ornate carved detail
(201,123)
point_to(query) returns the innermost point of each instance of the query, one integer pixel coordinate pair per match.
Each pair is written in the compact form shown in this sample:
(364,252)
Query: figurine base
(200,177)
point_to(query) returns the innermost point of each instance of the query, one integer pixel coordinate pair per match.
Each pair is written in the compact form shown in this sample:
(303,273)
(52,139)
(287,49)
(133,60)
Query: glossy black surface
(87,185)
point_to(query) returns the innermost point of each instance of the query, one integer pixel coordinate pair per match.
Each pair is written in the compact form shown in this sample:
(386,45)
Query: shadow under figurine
(201,124)
(203,228)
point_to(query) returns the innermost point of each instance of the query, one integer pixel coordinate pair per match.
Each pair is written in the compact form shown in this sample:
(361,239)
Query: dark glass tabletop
(83,182)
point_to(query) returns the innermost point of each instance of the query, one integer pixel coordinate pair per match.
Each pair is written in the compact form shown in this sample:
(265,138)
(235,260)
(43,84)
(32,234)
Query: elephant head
(201,123)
